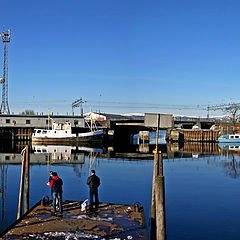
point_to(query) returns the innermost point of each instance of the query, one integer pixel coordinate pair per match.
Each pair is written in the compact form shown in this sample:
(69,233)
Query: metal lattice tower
(4,106)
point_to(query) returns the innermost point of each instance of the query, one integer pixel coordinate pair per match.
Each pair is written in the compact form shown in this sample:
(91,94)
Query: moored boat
(229,138)
(62,133)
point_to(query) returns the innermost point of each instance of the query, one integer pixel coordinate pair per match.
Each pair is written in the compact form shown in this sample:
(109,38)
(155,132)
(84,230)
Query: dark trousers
(93,191)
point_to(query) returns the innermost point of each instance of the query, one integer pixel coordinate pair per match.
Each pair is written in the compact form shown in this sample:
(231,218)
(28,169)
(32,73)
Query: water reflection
(193,172)
(3,193)
(61,153)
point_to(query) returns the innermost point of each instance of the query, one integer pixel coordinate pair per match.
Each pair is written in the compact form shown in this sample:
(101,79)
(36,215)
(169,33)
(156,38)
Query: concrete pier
(109,221)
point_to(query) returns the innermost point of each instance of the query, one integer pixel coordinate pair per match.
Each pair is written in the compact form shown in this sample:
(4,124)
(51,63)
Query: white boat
(62,133)
(229,138)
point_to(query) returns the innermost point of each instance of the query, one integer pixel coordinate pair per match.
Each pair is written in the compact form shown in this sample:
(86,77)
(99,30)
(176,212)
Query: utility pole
(78,103)
(231,108)
(4,80)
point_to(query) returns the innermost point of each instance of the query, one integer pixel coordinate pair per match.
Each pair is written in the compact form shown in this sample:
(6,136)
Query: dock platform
(109,221)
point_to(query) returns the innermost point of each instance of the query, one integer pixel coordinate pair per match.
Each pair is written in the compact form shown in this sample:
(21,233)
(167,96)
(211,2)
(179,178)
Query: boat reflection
(62,152)
(230,146)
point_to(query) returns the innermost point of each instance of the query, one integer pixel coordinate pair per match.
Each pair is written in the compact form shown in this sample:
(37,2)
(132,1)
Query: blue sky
(125,56)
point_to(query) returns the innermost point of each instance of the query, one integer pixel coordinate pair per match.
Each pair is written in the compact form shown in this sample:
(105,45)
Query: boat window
(7,120)
(38,150)
(7,157)
(65,131)
(44,131)
(28,121)
(55,132)
(236,136)
(46,121)
(75,122)
(44,150)
(38,131)
(231,147)
(231,136)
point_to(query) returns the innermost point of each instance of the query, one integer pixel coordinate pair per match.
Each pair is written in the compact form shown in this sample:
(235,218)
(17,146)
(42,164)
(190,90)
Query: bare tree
(28,112)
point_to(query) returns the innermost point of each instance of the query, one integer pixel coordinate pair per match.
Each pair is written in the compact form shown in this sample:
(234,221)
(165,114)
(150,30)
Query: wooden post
(153,205)
(21,185)
(160,208)
(158,229)
(26,188)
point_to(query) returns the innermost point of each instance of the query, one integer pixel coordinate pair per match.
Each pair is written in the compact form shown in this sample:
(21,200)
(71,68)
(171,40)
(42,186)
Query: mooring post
(26,188)
(160,203)
(155,173)
(153,205)
(21,185)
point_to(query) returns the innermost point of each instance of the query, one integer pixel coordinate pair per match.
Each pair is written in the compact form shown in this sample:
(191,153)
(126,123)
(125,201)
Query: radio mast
(4,80)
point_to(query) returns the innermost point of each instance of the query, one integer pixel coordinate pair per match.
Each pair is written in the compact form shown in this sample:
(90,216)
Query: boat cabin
(61,126)
(234,136)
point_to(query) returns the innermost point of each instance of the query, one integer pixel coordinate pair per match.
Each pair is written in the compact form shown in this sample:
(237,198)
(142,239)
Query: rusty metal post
(26,188)
(21,185)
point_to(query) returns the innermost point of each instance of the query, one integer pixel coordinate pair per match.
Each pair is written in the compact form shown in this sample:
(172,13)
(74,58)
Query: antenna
(4,80)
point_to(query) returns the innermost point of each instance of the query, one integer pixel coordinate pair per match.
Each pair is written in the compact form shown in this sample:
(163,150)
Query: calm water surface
(202,191)
(123,180)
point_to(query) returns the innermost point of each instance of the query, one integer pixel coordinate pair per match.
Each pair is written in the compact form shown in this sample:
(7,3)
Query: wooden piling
(21,185)
(26,188)
(153,204)
(160,208)
(158,226)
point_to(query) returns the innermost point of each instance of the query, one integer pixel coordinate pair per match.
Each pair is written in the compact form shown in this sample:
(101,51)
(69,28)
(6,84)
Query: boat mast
(48,118)
(91,117)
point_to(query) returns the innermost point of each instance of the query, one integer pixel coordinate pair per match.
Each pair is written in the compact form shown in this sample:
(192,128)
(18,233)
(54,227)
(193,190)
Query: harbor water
(202,188)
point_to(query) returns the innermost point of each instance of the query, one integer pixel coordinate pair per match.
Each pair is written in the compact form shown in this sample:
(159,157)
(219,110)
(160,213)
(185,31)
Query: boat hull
(229,140)
(45,140)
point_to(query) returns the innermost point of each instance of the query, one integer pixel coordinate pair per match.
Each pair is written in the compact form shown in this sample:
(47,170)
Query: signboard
(165,120)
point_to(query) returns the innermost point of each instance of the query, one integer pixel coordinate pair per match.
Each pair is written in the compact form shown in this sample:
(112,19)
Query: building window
(28,121)
(7,120)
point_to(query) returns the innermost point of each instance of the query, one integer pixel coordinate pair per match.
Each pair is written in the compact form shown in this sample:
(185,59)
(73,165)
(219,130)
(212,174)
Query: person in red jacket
(56,185)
